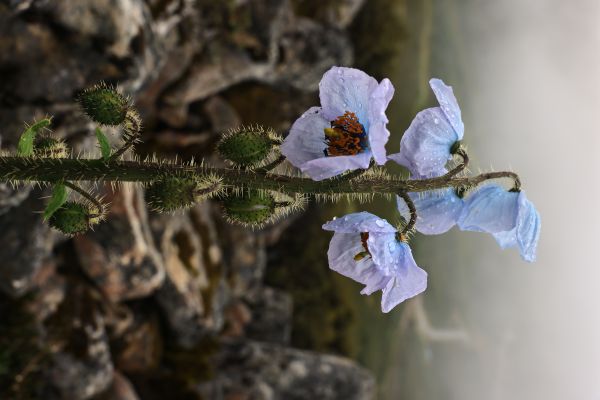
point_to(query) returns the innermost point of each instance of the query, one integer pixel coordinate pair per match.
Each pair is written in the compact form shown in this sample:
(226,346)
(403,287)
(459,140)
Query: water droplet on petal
(380,223)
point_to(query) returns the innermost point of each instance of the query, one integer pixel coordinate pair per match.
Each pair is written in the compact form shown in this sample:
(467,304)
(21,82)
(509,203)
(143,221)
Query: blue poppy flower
(426,146)
(364,247)
(347,130)
(509,216)
(437,211)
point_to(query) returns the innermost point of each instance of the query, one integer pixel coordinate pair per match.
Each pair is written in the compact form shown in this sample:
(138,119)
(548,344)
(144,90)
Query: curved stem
(460,167)
(413,214)
(132,128)
(87,196)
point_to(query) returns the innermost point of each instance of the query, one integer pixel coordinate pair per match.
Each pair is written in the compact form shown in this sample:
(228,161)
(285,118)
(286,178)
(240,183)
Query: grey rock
(271,320)
(293,51)
(121,389)
(266,371)
(12,196)
(119,255)
(190,299)
(26,244)
(82,366)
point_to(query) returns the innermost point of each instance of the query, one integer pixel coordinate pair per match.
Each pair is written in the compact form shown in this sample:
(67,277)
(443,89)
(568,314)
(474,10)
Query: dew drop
(380,223)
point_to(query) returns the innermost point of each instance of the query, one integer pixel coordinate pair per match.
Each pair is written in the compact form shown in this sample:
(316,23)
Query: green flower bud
(73,218)
(249,208)
(104,104)
(247,147)
(175,193)
(49,147)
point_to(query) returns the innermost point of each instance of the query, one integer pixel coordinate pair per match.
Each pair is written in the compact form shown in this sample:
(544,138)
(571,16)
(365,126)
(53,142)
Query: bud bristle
(104,104)
(249,207)
(73,218)
(49,147)
(246,147)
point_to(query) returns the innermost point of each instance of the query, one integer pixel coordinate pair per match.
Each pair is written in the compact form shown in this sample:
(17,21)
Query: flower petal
(409,281)
(526,232)
(306,140)
(491,209)
(346,89)
(528,228)
(378,132)
(437,211)
(342,249)
(449,105)
(328,167)
(359,222)
(425,146)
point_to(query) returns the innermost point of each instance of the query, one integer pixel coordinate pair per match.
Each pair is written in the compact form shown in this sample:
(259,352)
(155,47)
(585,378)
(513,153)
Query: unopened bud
(251,207)
(73,218)
(247,147)
(104,104)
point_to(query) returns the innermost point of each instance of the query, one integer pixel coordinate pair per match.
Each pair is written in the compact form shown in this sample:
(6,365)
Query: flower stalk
(52,170)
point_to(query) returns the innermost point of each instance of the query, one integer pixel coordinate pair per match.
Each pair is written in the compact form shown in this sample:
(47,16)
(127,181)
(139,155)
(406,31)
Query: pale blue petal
(376,280)
(384,251)
(342,249)
(526,232)
(490,209)
(425,146)
(346,89)
(328,167)
(449,105)
(409,280)
(437,211)
(378,133)
(306,140)
(359,222)
(528,228)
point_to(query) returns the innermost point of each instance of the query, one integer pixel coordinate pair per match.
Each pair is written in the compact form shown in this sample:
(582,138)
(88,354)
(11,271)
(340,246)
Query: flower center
(346,137)
(364,236)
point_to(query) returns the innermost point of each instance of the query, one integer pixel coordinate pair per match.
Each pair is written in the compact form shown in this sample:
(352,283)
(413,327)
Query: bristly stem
(87,196)
(54,170)
(413,214)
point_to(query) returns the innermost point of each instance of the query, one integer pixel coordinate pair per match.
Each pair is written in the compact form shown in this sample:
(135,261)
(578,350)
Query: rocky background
(160,306)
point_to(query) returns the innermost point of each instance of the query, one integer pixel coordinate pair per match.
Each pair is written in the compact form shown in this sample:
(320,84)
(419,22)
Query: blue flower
(365,248)
(346,131)
(437,211)
(509,216)
(426,146)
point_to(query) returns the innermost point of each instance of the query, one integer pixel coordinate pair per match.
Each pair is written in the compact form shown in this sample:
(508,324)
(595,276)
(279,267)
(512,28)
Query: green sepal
(25,146)
(73,218)
(58,198)
(104,145)
(104,104)
(249,208)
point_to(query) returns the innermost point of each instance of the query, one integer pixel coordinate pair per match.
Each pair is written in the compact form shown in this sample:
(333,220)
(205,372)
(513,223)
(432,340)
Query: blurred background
(189,307)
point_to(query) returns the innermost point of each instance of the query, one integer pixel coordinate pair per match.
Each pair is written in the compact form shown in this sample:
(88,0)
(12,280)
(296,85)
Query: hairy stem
(53,170)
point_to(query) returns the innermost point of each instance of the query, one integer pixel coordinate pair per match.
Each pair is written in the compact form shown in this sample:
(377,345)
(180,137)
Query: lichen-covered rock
(81,361)
(271,316)
(119,255)
(265,371)
(191,299)
(26,244)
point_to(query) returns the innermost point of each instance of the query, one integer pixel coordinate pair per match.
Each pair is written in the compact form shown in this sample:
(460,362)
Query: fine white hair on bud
(104,104)
(248,146)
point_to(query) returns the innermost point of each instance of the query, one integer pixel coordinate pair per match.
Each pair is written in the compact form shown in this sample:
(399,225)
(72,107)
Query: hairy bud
(247,147)
(249,208)
(49,147)
(104,104)
(174,193)
(73,218)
